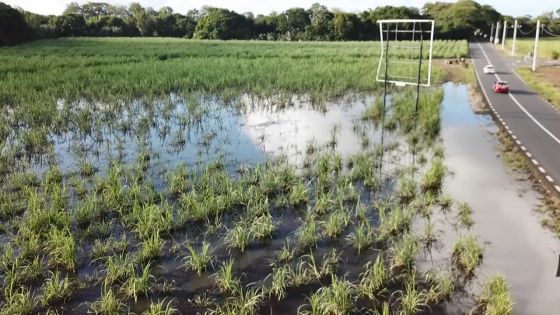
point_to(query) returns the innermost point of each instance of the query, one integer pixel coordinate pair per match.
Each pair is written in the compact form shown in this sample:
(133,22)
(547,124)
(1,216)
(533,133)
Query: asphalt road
(533,122)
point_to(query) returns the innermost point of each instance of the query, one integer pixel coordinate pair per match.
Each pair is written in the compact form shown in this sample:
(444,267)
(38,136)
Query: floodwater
(176,131)
(200,130)
(515,243)
(203,129)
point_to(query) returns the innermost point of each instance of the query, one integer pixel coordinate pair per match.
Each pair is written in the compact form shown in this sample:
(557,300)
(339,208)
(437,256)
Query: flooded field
(245,205)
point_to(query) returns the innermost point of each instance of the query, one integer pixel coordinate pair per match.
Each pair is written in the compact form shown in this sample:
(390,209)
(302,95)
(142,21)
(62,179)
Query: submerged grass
(467,254)
(495,298)
(133,201)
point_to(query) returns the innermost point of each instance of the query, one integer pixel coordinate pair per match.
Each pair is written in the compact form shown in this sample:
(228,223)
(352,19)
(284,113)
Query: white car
(489,69)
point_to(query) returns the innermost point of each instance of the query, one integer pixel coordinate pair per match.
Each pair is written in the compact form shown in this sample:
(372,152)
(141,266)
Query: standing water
(516,245)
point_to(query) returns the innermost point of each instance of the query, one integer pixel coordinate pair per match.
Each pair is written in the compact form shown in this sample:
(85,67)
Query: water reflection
(197,130)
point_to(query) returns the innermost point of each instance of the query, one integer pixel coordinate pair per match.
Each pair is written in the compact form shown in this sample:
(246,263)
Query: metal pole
(496,38)
(384,106)
(514,38)
(396,31)
(416,118)
(492,32)
(504,36)
(534,68)
(431,49)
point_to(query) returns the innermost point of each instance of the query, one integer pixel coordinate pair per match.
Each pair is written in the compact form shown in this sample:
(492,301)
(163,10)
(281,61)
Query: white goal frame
(380,77)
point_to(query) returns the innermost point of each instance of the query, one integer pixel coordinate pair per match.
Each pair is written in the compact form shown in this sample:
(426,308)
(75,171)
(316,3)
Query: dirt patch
(551,74)
(456,71)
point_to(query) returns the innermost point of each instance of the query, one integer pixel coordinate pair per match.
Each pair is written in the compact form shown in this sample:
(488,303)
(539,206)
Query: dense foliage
(459,20)
(453,20)
(13,28)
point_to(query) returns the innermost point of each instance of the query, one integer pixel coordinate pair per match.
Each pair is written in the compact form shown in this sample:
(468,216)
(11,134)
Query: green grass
(465,214)
(546,89)
(524,46)
(224,278)
(467,254)
(495,298)
(198,260)
(56,289)
(374,279)
(109,304)
(338,298)
(111,68)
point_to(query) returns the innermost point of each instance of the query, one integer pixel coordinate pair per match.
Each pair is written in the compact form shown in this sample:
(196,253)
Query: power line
(549,33)
(529,32)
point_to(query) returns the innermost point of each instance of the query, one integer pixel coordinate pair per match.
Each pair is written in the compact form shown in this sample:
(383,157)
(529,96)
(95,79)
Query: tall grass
(495,298)
(467,254)
(102,68)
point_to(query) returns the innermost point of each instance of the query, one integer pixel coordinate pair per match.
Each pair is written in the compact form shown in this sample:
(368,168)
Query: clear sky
(507,7)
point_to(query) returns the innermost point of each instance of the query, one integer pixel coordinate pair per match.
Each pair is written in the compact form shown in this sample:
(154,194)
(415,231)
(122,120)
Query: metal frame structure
(394,79)
(384,40)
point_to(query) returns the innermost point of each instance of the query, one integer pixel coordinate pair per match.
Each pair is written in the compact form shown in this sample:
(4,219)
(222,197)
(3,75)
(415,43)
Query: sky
(507,7)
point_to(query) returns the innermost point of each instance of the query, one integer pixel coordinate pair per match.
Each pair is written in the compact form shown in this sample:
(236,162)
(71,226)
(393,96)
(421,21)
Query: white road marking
(535,162)
(542,170)
(521,106)
(557,188)
(548,178)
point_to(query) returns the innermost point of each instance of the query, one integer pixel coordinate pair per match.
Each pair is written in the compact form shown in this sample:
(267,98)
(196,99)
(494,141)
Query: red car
(500,87)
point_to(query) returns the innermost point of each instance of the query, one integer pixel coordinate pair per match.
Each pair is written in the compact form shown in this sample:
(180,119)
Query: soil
(550,74)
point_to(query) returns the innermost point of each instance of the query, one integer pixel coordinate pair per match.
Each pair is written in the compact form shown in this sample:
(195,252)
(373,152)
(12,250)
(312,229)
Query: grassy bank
(525,46)
(546,89)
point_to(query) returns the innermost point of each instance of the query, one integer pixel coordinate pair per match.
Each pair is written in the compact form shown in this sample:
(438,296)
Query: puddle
(516,245)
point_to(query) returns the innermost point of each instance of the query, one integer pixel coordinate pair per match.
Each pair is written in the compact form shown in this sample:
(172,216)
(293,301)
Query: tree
(37,25)
(346,26)
(109,26)
(461,19)
(142,18)
(175,25)
(13,28)
(68,25)
(266,26)
(222,24)
(321,23)
(95,9)
(293,23)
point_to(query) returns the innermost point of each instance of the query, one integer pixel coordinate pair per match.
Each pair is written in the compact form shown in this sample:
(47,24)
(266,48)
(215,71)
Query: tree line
(457,20)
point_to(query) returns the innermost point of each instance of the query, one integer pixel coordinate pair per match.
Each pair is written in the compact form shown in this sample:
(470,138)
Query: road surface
(532,122)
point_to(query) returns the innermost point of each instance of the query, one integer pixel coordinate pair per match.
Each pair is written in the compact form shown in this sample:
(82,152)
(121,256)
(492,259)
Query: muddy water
(516,245)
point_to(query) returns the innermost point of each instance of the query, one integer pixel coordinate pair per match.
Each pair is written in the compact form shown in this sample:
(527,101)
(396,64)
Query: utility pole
(534,68)
(496,38)
(504,36)
(492,33)
(514,38)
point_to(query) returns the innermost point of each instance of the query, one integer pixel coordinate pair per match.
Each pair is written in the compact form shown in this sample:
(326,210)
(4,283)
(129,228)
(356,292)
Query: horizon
(266,7)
